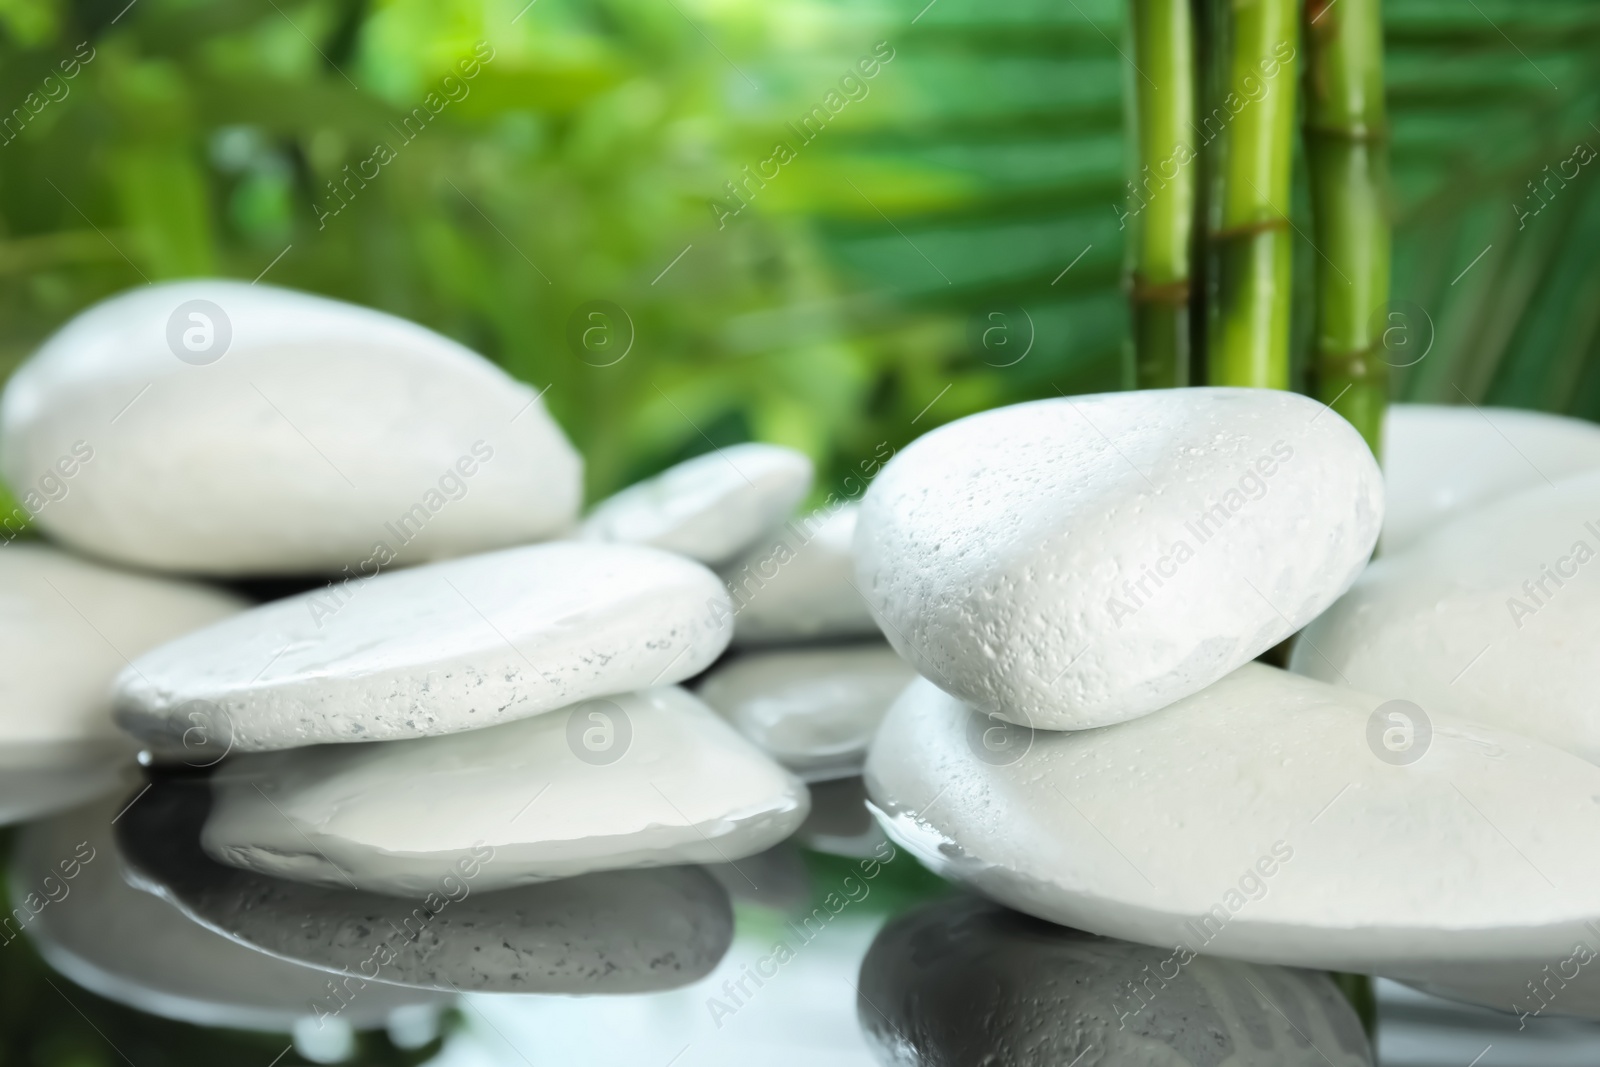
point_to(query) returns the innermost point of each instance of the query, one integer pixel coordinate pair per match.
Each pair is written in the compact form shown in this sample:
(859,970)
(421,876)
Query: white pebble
(450,646)
(217,427)
(1082,561)
(636,780)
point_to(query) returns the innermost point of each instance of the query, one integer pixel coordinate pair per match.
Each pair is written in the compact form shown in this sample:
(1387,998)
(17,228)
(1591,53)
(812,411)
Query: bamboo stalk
(1161,188)
(1248,126)
(1346,146)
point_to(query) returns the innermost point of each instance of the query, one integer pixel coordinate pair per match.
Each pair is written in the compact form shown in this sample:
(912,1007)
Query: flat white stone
(709,508)
(1255,820)
(637,780)
(799,584)
(608,932)
(1566,984)
(1493,617)
(1078,562)
(963,981)
(40,780)
(1440,461)
(812,710)
(134,948)
(431,650)
(323,435)
(67,627)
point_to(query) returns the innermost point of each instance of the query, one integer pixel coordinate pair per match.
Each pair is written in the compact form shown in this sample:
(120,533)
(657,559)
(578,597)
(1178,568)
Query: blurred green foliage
(889,277)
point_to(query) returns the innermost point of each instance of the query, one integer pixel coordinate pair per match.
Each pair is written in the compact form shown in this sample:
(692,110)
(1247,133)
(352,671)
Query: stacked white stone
(1082,584)
(453,690)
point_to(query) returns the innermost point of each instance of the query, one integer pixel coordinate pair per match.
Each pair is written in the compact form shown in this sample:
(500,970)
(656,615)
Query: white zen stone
(217,427)
(67,626)
(70,895)
(709,508)
(1495,617)
(450,646)
(637,780)
(800,584)
(1439,461)
(812,710)
(1078,562)
(1565,984)
(1265,818)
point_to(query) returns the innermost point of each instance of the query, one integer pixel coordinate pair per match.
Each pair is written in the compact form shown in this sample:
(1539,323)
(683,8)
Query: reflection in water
(130,947)
(963,981)
(609,932)
(839,822)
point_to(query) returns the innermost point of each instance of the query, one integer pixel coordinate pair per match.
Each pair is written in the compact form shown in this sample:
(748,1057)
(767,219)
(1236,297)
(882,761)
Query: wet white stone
(1566,984)
(1082,561)
(602,933)
(637,780)
(709,508)
(799,584)
(450,646)
(134,948)
(1440,461)
(1261,819)
(278,432)
(66,626)
(812,710)
(1493,617)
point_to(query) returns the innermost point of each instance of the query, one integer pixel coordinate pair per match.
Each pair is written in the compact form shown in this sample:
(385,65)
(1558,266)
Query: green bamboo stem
(1346,147)
(1249,126)
(1161,188)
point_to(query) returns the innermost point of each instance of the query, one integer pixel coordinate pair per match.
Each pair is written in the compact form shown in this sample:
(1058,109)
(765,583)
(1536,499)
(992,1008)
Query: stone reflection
(69,897)
(963,981)
(610,932)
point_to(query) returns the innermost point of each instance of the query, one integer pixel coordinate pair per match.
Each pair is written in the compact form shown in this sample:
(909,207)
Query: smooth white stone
(1003,553)
(1441,461)
(319,431)
(1258,802)
(138,950)
(812,710)
(36,780)
(435,649)
(1451,624)
(681,787)
(1566,984)
(800,585)
(66,626)
(603,933)
(709,508)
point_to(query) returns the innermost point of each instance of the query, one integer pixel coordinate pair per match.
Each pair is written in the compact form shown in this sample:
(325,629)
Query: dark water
(128,945)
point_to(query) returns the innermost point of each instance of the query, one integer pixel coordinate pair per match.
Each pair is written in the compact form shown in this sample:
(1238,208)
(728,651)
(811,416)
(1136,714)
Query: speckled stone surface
(709,508)
(813,710)
(432,650)
(612,932)
(279,432)
(1264,818)
(1078,562)
(65,625)
(644,779)
(137,950)
(1439,461)
(1493,617)
(963,982)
